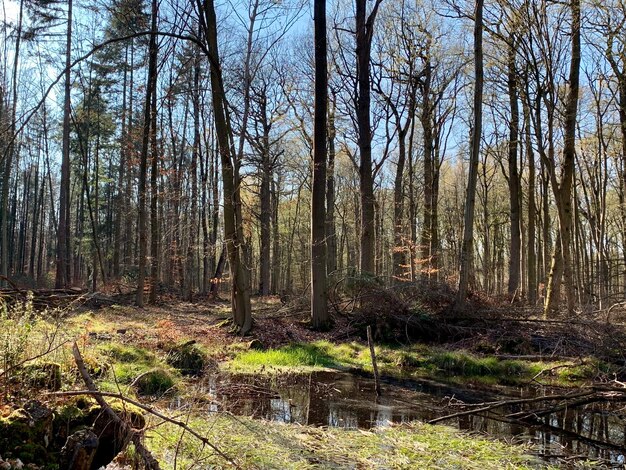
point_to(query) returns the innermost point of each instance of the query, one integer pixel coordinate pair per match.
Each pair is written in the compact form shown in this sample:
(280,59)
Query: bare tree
(467,249)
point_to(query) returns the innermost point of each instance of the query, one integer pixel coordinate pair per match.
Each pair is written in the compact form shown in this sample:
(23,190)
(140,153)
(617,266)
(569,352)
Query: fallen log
(42,299)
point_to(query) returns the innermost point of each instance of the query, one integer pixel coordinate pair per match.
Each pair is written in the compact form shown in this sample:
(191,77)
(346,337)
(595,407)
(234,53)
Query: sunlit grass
(261,444)
(416,361)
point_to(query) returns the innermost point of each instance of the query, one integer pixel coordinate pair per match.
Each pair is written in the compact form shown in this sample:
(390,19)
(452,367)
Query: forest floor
(495,357)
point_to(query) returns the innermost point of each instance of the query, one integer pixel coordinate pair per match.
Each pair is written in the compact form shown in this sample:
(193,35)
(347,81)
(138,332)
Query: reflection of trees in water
(342,418)
(347,401)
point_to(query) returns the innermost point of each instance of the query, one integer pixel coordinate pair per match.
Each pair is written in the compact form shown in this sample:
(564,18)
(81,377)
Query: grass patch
(131,364)
(261,444)
(155,382)
(467,365)
(415,361)
(128,354)
(301,357)
(295,356)
(188,358)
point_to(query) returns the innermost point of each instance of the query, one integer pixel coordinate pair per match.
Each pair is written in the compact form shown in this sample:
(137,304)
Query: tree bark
(319,305)
(193,170)
(515,246)
(531,264)
(364,32)
(331,232)
(154,201)
(63,234)
(143,165)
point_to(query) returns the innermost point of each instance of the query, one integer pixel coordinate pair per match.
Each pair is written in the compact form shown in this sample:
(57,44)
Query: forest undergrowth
(159,356)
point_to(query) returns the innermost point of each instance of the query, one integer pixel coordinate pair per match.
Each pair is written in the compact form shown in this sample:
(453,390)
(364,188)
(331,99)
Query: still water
(592,431)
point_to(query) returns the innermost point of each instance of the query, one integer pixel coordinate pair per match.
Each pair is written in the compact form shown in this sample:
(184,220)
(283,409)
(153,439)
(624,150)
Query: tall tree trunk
(426,119)
(119,197)
(233,230)
(532,211)
(514,177)
(331,232)
(467,249)
(206,255)
(143,164)
(563,194)
(9,154)
(364,32)
(193,170)
(399,253)
(154,200)
(319,306)
(63,235)
(265,217)
(620,74)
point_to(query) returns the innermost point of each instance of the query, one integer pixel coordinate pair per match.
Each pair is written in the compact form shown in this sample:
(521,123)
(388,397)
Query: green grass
(130,363)
(260,444)
(128,354)
(416,361)
(296,356)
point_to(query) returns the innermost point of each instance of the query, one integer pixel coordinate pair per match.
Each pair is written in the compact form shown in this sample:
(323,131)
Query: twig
(10,282)
(48,350)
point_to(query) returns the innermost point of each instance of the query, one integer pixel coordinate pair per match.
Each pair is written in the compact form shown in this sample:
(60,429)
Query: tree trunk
(531,264)
(364,32)
(514,177)
(154,201)
(399,253)
(193,171)
(119,198)
(63,234)
(331,233)
(265,200)
(563,193)
(275,278)
(467,249)
(143,165)
(426,118)
(319,306)
(233,230)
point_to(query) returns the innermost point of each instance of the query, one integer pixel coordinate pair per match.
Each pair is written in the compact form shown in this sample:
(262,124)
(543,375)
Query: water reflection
(596,431)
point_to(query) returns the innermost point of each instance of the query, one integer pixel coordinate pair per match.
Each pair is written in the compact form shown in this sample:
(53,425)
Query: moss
(95,364)
(22,436)
(188,358)
(588,370)
(138,366)
(128,354)
(43,375)
(31,452)
(155,382)
(84,411)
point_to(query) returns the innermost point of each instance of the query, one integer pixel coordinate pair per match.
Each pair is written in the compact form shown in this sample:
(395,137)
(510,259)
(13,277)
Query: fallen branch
(99,396)
(500,404)
(593,398)
(148,409)
(128,432)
